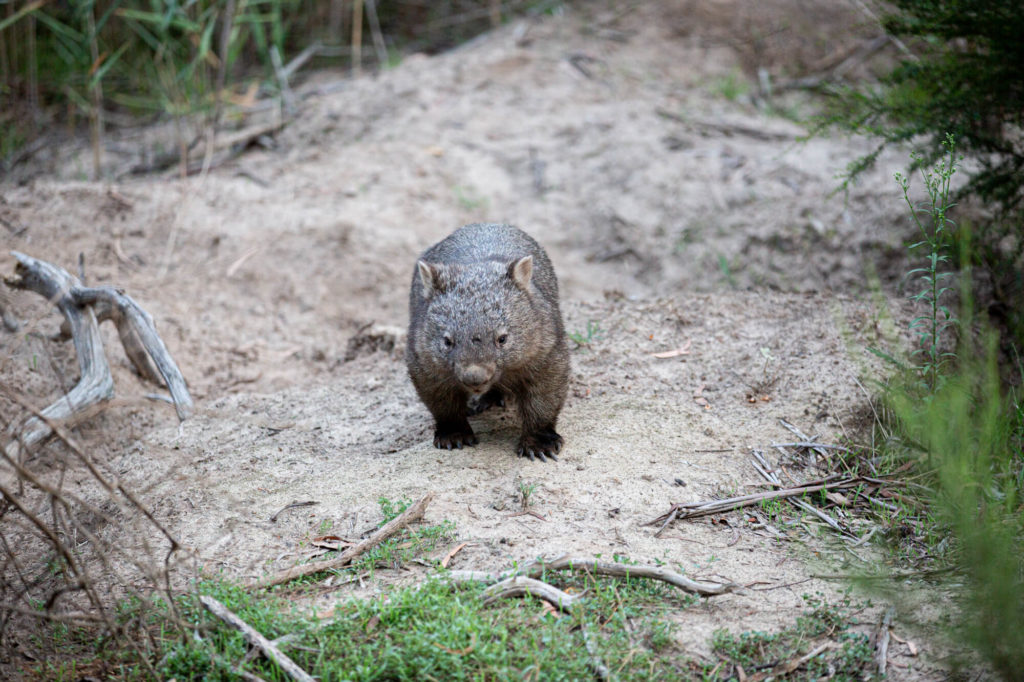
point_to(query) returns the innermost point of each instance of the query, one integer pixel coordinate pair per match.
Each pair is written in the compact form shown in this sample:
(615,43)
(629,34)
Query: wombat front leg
(539,413)
(452,429)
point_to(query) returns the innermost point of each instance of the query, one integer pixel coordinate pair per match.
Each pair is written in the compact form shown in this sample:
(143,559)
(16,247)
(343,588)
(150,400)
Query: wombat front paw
(455,439)
(540,445)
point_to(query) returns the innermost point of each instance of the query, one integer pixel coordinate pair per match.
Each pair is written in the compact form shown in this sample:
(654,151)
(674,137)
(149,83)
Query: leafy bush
(967,81)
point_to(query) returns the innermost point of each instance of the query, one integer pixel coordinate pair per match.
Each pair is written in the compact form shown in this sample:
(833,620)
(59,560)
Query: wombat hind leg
(454,434)
(480,404)
(540,444)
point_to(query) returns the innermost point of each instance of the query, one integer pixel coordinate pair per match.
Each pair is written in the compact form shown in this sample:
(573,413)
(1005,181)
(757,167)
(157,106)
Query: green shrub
(967,79)
(969,437)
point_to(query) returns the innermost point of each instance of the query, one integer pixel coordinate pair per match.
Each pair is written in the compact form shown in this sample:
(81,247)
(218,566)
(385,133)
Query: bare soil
(677,213)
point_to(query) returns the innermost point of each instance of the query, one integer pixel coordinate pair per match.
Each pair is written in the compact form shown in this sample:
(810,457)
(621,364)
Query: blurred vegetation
(965,77)
(962,74)
(103,60)
(956,424)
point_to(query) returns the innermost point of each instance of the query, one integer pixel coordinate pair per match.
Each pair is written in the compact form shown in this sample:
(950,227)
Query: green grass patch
(436,630)
(847,657)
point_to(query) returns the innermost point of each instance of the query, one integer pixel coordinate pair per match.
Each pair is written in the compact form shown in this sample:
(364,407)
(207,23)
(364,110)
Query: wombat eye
(502,339)
(447,341)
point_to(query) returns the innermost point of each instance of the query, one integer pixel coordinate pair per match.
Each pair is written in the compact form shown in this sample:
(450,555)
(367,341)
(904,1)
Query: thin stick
(413,513)
(696,509)
(816,447)
(787,667)
(670,519)
(256,639)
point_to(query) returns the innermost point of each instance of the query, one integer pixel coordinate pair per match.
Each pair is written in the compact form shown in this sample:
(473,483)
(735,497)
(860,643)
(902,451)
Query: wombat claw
(448,441)
(540,446)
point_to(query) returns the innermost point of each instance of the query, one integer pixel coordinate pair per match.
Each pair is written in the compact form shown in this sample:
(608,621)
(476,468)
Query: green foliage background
(966,80)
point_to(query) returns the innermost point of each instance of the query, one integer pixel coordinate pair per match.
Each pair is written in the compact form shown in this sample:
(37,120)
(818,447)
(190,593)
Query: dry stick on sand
(689,510)
(882,641)
(81,306)
(565,562)
(786,667)
(413,513)
(256,639)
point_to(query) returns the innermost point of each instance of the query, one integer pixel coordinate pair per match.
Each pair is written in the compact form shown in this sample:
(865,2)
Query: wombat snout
(475,377)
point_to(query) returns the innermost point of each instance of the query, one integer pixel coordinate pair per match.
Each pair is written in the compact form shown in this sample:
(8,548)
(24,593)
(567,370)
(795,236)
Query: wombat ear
(521,271)
(430,278)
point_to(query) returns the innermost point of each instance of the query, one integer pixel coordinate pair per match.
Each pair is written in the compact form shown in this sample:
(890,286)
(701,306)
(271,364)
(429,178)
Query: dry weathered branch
(786,667)
(135,326)
(639,571)
(78,304)
(689,510)
(256,639)
(839,68)
(882,641)
(95,384)
(520,585)
(413,513)
(564,563)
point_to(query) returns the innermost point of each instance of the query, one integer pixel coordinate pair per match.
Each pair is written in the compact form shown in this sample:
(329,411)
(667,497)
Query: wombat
(484,324)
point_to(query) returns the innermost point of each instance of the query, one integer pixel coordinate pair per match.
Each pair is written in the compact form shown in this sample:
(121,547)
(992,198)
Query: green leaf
(27,9)
(107,65)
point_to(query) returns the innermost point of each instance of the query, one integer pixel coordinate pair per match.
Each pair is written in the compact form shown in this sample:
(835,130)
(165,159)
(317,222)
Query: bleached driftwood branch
(566,563)
(83,308)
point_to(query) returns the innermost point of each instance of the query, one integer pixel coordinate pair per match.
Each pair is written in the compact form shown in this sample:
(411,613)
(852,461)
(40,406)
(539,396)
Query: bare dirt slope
(675,217)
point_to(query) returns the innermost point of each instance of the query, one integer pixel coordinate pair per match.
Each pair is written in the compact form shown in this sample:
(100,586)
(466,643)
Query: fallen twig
(413,513)
(565,562)
(882,641)
(836,71)
(256,639)
(727,129)
(520,585)
(689,510)
(814,446)
(786,667)
(292,505)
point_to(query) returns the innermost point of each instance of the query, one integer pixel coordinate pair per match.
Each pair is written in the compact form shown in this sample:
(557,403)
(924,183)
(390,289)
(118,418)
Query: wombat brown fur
(484,324)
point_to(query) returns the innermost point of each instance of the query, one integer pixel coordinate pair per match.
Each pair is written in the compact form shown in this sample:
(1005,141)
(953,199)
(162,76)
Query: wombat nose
(476,376)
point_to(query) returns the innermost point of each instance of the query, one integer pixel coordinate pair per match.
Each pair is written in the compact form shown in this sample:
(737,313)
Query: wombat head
(480,319)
